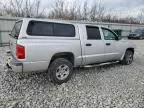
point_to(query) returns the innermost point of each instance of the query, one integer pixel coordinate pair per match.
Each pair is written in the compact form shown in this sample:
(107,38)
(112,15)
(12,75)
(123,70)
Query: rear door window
(40,28)
(16,29)
(93,33)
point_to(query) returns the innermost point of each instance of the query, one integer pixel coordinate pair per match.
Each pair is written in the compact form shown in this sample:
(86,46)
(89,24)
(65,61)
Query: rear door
(93,45)
(14,36)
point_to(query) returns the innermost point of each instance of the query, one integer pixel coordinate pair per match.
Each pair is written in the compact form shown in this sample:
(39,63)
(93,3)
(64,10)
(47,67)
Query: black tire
(56,70)
(128,58)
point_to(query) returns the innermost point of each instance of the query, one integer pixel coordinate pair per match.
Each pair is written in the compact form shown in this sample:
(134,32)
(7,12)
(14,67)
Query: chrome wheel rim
(62,72)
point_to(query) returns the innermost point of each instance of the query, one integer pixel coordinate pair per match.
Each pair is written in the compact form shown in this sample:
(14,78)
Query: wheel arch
(131,49)
(68,55)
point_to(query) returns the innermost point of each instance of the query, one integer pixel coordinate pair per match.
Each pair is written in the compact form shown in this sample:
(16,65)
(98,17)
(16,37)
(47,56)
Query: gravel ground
(110,86)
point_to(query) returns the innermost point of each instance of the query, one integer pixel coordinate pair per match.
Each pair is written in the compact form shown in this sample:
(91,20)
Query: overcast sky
(119,7)
(124,7)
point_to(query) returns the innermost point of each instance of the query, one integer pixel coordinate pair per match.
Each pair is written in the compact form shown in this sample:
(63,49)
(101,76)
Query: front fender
(128,45)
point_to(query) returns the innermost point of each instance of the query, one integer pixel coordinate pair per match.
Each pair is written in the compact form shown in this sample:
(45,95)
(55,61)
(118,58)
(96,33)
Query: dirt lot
(110,86)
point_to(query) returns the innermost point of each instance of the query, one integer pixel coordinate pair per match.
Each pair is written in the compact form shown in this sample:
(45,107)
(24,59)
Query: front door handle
(88,44)
(108,44)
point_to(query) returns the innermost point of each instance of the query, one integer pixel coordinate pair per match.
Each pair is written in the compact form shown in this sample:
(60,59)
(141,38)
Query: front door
(112,45)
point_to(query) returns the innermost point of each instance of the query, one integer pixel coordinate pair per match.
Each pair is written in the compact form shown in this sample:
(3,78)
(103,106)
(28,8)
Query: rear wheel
(128,58)
(60,70)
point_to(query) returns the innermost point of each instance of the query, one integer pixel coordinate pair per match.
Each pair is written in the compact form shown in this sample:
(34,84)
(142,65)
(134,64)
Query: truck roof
(64,21)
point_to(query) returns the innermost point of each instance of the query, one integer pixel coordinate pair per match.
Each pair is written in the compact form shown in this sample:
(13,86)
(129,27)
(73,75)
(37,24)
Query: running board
(101,64)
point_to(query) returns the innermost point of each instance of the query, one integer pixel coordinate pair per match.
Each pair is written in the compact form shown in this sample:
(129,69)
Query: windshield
(16,29)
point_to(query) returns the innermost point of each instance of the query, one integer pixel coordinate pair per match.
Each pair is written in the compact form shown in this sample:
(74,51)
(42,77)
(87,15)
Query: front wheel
(60,70)
(128,58)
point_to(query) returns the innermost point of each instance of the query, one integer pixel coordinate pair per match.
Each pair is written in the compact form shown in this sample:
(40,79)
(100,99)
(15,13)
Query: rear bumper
(13,64)
(18,66)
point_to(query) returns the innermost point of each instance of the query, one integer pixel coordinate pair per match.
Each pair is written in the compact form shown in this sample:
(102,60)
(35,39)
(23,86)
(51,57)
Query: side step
(101,64)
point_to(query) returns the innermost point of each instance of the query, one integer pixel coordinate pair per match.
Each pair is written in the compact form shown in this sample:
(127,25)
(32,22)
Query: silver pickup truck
(58,46)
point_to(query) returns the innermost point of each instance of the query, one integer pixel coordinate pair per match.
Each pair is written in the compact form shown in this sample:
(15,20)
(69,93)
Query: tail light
(20,52)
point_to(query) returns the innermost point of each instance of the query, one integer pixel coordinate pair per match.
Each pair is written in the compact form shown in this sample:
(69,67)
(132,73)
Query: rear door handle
(108,44)
(88,44)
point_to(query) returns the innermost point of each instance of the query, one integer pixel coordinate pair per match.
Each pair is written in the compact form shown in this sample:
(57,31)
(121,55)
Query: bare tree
(67,11)
(93,12)
(62,9)
(117,19)
(58,8)
(76,11)
(23,8)
(141,16)
(85,11)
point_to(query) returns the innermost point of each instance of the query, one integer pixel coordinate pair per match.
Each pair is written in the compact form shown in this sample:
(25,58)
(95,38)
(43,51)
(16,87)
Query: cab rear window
(16,29)
(40,28)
